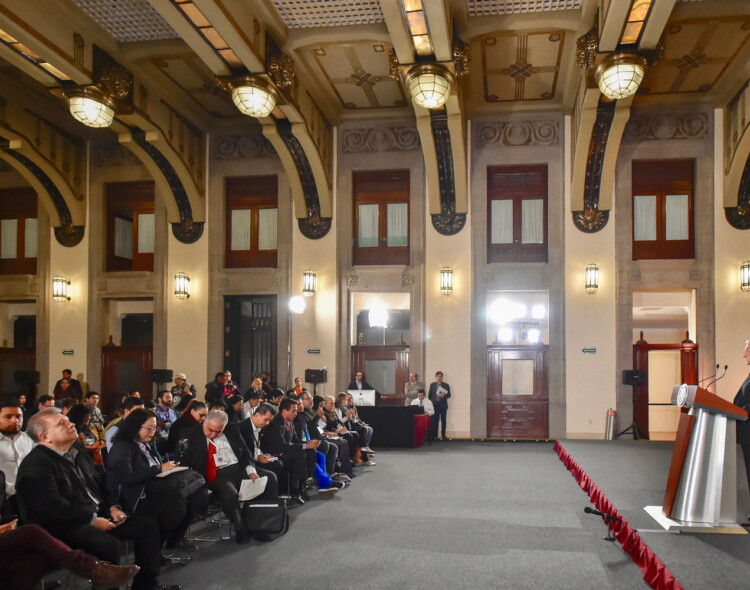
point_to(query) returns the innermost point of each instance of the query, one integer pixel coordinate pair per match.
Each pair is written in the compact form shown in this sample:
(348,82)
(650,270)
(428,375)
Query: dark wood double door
(517,391)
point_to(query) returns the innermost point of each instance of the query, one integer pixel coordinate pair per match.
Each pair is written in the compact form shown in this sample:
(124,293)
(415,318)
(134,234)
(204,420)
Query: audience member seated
(128,405)
(307,423)
(317,423)
(165,414)
(429,409)
(250,429)
(80,416)
(411,387)
(252,401)
(267,387)
(333,424)
(326,485)
(234,408)
(276,397)
(182,392)
(28,553)
(195,412)
(215,449)
(70,389)
(347,415)
(14,446)
(23,402)
(255,388)
(298,387)
(219,405)
(67,403)
(97,420)
(215,389)
(44,401)
(299,459)
(58,489)
(132,467)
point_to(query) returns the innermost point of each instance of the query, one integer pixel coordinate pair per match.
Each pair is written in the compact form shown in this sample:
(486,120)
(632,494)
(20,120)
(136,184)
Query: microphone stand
(719,378)
(608,519)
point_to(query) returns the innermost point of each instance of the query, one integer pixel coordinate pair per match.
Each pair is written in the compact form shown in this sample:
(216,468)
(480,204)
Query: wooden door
(517,391)
(250,337)
(125,368)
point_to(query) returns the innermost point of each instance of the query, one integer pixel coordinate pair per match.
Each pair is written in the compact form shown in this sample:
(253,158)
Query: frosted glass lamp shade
(91,109)
(430,86)
(253,97)
(620,74)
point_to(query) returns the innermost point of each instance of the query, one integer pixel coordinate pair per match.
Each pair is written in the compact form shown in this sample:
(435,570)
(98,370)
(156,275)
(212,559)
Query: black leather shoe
(242,536)
(174,560)
(304,496)
(298,499)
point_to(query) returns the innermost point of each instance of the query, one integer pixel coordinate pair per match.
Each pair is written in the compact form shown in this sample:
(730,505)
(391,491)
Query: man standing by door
(439,394)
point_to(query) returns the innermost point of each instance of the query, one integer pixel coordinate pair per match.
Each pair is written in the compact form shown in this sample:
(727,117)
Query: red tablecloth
(421,424)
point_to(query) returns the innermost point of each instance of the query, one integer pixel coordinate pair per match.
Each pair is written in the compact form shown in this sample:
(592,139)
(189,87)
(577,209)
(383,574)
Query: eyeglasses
(149,428)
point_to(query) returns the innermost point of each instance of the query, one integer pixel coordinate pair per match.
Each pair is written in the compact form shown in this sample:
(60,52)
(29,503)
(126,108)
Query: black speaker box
(161,376)
(633,377)
(316,376)
(26,377)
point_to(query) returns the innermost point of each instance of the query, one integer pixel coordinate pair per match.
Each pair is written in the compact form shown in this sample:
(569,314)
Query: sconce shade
(60,289)
(592,278)
(253,97)
(181,285)
(91,108)
(745,276)
(430,85)
(309,283)
(620,74)
(446,280)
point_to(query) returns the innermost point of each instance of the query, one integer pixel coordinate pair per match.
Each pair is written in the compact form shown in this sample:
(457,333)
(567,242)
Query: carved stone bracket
(591,219)
(66,233)
(186,231)
(739,216)
(461,57)
(447,222)
(313,226)
(586,49)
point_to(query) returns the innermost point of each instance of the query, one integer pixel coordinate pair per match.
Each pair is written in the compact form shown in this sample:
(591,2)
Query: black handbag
(185,483)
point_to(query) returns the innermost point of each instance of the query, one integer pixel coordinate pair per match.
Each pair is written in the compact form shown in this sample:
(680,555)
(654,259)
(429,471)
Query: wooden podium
(702,482)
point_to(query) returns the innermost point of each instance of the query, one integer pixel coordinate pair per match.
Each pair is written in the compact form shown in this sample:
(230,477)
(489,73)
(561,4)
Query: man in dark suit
(299,459)
(359,382)
(439,394)
(216,450)
(58,489)
(250,429)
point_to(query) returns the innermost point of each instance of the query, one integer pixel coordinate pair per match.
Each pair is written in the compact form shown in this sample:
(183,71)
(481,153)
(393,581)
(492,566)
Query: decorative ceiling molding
(128,20)
(660,125)
(379,139)
(241,147)
(517,133)
(521,66)
(112,154)
(499,7)
(301,14)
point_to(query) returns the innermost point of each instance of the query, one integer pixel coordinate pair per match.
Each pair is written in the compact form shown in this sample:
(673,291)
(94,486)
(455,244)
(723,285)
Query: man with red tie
(216,450)
(299,458)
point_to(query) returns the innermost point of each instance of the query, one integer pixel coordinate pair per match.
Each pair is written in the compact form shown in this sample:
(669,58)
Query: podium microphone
(710,376)
(608,517)
(718,378)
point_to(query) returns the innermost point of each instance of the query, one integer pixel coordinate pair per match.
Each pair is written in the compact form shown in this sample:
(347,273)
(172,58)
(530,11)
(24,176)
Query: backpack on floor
(266,519)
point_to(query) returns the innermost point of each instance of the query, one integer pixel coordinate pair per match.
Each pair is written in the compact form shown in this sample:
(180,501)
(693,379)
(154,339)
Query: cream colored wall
(8,311)
(663,373)
(731,248)
(187,319)
(590,379)
(317,326)
(448,321)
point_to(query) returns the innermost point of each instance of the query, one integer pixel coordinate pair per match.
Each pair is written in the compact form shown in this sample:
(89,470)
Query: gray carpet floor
(633,474)
(453,515)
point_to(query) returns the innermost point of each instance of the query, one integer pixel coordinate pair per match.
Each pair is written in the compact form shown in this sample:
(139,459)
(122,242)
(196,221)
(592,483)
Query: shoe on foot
(242,536)
(297,499)
(182,544)
(174,560)
(331,489)
(369,462)
(105,575)
(367,450)
(341,477)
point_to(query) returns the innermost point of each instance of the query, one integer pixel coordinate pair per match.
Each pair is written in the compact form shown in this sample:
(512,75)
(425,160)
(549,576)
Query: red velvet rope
(655,573)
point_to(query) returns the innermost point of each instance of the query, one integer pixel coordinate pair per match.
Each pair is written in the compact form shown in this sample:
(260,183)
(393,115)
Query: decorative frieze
(112,154)
(236,147)
(352,280)
(666,125)
(517,133)
(380,139)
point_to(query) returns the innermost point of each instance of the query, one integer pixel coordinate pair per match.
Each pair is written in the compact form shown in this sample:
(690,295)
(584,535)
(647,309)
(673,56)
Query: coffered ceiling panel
(696,54)
(497,7)
(521,66)
(301,14)
(128,20)
(358,74)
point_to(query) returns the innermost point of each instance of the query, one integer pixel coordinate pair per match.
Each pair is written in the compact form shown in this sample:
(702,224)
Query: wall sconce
(60,289)
(181,285)
(446,280)
(309,283)
(592,278)
(745,276)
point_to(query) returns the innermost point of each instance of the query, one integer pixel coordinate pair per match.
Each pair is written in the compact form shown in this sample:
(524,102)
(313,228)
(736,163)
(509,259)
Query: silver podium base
(672,526)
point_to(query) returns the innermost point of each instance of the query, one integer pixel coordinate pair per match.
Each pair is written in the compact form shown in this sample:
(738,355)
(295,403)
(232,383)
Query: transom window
(130,226)
(663,209)
(381,217)
(18,231)
(517,214)
(252,221)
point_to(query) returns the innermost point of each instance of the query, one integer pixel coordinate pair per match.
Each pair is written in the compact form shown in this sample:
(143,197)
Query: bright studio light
(538,311)
(505,334)
(500,312)
(533,336)
(378,317)
(297,304)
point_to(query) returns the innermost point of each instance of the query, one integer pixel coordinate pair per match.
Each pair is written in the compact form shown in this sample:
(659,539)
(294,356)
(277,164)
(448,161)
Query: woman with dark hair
(80,415)
(195,412)
(132,467)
